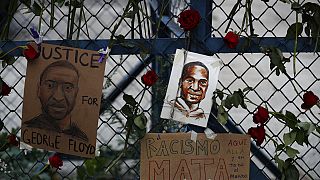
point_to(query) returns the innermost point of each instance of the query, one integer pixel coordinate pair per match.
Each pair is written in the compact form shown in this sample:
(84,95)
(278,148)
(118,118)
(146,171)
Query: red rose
(55,161)
(5,90)
(30,53)
(231,39)
(258,134)
(149,78)
(189,19)
(12,140)
(309,100)
(261,116)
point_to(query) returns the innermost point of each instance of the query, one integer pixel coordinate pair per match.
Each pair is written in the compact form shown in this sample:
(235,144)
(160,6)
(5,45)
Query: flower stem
(13,49)
(249,101)
(68,25)
(52,14)
(73,14)
(41,171)
(232,13)
(111,41)
(144,91)
(80,19)
(295,46)
(274,141)
(40,18)
(123,152)
(294,87)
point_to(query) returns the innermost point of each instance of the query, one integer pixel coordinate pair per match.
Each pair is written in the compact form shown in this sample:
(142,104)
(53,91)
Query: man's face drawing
(57,91)
(194,84)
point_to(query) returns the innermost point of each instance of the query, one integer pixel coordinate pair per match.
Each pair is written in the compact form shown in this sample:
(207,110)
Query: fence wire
(124,70)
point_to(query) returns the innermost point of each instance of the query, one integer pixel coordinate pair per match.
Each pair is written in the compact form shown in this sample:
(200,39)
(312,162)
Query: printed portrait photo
(61,102)
(193,80)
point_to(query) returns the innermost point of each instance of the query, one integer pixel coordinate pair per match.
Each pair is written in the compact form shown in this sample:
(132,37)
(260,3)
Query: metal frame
(203,43)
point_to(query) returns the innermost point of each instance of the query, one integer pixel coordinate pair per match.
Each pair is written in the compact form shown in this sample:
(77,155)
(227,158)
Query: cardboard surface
(62,98)
(189,94)
(174,156)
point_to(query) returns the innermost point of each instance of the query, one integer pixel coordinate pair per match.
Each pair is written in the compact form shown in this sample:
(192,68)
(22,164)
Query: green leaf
(311,128)
(309,6)
(4,147)
(236,99)
(276,59)
(296,6)
(304,125)
(279,115)
(222,115)
(290,119)
(307,126)
(228,102)
(129,100)
(280,162)
(318,129)
(9,60)
(290,122)
(291,152)
(131,14)
(247,89)
(289,138)
(291,32)
(127,110)
(120,38)
(140,121)
(144,54)
(291,173)
(36,9)
(300,137)
(288,162)
(280,147)
(220,94)
(291,116)
(222,118)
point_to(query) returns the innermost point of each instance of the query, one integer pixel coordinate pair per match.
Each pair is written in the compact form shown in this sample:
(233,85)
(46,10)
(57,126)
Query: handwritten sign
(62,98)
(172,156)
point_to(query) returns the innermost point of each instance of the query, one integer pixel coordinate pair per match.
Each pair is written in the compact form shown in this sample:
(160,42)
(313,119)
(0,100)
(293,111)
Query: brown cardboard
(60,87)
(171,156)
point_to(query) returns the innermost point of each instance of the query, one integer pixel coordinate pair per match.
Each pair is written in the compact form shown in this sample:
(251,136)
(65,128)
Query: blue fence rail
(202,42)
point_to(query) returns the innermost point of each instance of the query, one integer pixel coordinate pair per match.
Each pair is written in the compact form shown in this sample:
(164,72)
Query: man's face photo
(194,83)
(57,91)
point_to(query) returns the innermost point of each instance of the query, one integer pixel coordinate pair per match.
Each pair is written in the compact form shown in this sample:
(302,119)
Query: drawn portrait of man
(189,94)
(193,85)
(57,91)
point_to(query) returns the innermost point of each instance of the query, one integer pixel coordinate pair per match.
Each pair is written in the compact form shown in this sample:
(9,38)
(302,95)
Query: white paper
(192,105)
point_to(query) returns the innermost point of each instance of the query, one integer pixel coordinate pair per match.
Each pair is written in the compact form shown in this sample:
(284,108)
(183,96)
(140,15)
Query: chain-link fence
(242,68)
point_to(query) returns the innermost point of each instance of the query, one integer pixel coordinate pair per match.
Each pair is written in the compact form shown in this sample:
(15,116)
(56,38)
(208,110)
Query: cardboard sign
(189,95)
(62,98)
(174,156)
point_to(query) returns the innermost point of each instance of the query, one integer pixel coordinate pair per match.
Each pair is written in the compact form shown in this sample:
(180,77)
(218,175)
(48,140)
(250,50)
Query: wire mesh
(123,73)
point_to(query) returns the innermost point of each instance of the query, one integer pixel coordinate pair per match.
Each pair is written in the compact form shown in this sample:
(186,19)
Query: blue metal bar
(169,45)
(203,30)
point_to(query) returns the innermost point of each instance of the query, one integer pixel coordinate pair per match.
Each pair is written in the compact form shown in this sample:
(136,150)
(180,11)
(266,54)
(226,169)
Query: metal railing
(242,68)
